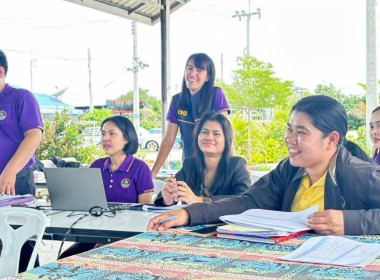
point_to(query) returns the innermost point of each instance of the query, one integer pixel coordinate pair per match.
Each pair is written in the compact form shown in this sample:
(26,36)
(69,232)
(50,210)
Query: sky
(307,41)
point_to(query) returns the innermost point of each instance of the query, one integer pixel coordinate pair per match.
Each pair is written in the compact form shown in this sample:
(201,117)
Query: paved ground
(48,251)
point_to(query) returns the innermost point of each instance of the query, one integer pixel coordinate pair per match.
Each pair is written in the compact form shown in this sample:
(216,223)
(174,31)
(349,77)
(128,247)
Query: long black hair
(375,151)
(328,115)
(201,61)
(198,176)
(129,133)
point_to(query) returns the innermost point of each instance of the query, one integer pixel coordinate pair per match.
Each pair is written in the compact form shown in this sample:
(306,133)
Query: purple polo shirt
(185,117)
(19,112)
(376,159)
(126,183)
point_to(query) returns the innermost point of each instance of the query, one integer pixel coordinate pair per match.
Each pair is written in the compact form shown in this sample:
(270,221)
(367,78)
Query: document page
(335,250)
(274,220)
(161,209)
(6,200)
(14,197)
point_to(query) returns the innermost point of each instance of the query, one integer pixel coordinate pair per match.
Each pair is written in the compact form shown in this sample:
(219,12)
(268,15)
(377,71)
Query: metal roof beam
(110,8)
(153,3)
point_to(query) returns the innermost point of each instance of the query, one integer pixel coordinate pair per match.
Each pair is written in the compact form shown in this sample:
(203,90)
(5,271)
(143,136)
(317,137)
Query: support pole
(136,96)
(372,99)
(165,63)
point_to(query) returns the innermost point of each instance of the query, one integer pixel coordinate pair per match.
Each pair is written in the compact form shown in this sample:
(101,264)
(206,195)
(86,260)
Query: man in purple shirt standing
(20,134)
(21,129)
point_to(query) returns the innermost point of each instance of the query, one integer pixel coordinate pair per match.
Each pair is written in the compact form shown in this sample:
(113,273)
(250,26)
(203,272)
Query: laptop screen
(76,189)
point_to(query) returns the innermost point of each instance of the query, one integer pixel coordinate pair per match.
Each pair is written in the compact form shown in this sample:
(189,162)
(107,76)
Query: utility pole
(136,97)
(248,14)
(91,107)
(135,69)
(32,66)
(221,67)
(372,99)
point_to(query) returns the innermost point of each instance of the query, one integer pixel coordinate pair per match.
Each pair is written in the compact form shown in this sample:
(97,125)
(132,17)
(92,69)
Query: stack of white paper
(272,220)
(335,250)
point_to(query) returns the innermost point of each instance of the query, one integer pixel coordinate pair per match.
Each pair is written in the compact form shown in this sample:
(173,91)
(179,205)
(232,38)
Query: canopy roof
(144,11)
(148,12)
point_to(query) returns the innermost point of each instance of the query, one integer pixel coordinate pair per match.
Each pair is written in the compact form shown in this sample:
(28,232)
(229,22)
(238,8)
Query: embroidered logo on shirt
(182,113)
(125,183)
(3,115)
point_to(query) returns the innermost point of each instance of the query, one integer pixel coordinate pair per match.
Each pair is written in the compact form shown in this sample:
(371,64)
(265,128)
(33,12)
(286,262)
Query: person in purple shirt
(21,129)
(125,178)
(198,96)
(374,126)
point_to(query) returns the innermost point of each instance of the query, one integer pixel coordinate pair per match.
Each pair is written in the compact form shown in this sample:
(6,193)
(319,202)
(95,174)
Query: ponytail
(356,151)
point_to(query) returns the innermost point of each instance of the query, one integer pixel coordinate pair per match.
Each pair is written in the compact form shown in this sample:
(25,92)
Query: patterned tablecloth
(169,256)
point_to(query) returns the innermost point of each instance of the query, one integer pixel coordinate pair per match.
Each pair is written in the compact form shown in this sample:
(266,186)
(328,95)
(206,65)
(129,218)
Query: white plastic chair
(158,186)
(32,225)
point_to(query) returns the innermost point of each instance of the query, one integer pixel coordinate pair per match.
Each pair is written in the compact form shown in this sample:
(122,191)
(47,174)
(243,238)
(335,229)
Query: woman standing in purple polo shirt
(125,178)
(374,125)
(198,96)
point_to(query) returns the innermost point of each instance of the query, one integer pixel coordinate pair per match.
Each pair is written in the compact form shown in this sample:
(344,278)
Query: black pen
(171,218)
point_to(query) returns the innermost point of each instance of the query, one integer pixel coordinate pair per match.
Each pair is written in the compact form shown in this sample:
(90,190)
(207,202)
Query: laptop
(76,189)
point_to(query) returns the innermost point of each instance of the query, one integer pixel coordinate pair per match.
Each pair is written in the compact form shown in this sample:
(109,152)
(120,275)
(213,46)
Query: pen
(171,218)
(173,177)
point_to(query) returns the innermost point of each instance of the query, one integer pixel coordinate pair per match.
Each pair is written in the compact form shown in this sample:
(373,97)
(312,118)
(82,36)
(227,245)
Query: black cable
(73,214)
(48,212)
(95,211)
(68,231)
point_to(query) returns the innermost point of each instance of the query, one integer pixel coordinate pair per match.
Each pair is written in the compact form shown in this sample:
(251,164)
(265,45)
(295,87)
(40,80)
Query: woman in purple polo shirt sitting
(198,96)
(374,126)
(211,173)
(125,178)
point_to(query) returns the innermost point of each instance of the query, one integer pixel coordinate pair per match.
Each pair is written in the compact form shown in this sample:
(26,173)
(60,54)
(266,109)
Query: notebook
(76,189)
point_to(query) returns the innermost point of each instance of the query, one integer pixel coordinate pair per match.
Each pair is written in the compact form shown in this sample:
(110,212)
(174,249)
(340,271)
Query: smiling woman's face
(195,77)
(374,129)
(306,144)
(211,138)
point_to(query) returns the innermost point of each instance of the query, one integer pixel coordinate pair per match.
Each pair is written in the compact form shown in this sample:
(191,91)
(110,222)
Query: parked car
(151,139)
(92,135)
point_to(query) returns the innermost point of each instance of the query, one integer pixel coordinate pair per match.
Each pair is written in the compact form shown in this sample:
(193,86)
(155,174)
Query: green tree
(330,90)
(150,116)
(276,149)
(255,87)
(97,115)
(360,139)
(364,86)
(354,104)
(61,138)
(268,141)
